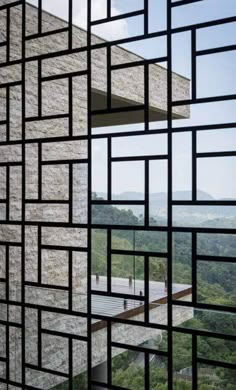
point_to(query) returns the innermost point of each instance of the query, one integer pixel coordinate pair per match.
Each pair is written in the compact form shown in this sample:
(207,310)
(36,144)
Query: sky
(215,76)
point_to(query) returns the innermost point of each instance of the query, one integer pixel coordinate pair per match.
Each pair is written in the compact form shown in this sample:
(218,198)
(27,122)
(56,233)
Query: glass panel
(213,376)
(122,7)
(127,274)
(182,258)
(110,306)
(211,68)
(52,7)
(182,361)
(128,369)
(128,181)
(158,188)
(182,166)
(201,11)
(216,349)
(158,376)
(99,352)
(146,48)
(118,29)
(215,176)
(208,114)
(211,286)
(99,168)
(113,123)
(117,215)
(208,320)
(99,258)
(217,36)
(139,335)
(216,141)
(140,240)
(144,145)
(205,216)
(157,15)
(216,244)
(181,47)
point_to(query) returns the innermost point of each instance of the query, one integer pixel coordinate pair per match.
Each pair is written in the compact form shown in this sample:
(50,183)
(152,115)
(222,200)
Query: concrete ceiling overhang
(99,102)
(127,84)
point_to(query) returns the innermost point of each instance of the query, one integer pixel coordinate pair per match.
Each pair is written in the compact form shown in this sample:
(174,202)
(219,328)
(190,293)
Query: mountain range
(183,215)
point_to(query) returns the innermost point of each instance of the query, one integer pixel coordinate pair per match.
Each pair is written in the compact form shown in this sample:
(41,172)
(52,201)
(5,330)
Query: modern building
(44,172)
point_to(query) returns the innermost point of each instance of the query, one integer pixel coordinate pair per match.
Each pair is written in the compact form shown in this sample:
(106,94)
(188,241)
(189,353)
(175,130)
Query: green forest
(215,285)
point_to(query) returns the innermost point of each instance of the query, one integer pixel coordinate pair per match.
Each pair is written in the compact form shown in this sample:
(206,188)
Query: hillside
(182,215)
(216,285)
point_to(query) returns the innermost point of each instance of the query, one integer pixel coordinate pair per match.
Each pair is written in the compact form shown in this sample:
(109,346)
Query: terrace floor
(114,306)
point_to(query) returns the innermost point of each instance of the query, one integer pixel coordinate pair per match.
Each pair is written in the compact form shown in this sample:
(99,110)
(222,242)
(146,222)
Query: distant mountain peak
(177,195)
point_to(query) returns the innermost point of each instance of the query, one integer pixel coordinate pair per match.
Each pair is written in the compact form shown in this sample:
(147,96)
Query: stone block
(55,182)
(10,233)
(10,153)
(47,212)
(31,253)
(3,182)
(47,128)
(80,198)
(15,193)
(31,171)
(55,267)
(68,150)
(55,97)
(64,236)
(16,113)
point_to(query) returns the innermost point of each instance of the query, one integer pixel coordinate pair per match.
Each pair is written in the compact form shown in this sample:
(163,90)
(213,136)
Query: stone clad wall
(53,164)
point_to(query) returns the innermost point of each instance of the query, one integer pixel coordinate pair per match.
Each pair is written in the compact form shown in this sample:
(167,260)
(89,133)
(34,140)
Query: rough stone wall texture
(44,184)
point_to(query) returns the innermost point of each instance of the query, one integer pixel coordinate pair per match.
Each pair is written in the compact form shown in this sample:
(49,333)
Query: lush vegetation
(215,285)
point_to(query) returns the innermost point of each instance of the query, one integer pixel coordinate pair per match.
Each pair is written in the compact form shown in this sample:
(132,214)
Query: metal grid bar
(92,318)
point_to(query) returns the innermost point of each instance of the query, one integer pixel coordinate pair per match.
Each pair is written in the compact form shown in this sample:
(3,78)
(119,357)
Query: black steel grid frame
(23,304)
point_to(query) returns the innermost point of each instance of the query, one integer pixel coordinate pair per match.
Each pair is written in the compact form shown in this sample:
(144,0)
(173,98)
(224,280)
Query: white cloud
(115,30)
(110,31)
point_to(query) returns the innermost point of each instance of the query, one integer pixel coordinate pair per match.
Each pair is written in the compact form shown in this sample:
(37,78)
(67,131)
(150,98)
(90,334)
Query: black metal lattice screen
(99,290)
